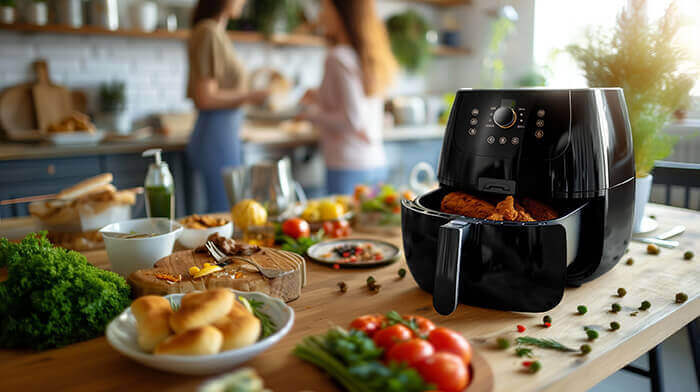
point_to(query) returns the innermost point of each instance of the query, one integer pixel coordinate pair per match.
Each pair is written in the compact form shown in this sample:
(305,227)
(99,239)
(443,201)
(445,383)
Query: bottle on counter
(160,188)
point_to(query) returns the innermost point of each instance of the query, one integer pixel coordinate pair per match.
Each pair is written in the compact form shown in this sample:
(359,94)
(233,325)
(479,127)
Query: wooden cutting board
(287,287)
(52,103)
(17,108)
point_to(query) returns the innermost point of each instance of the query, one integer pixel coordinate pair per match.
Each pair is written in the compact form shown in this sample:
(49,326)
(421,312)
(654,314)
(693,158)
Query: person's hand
(310,97)
(258,97)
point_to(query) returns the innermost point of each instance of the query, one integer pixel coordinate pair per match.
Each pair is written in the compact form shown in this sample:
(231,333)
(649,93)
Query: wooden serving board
(287,287)
(52,103)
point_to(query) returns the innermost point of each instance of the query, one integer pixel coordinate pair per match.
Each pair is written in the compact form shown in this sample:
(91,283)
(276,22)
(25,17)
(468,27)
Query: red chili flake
(521,328)
(547,325)
(378,257)
(336,266)
(168,277)
(527,363)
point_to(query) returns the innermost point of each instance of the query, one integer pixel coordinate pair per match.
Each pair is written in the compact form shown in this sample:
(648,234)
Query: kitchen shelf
(238,36)
(441,3)
(447,51)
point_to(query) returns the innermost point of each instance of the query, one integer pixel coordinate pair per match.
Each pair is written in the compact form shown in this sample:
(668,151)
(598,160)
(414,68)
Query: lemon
(344,201)
(247,213)
(330,210)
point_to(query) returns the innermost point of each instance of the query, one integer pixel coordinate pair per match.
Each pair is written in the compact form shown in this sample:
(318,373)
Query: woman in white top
(348,107)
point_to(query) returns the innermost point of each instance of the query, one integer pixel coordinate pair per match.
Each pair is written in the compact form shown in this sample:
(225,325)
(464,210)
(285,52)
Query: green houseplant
(113,113)
(642,58)
(409,42)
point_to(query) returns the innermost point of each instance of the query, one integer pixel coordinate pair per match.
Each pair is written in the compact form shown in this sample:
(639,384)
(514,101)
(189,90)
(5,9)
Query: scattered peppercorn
(615,307)
(523,352)
(582,309)
(585,349)
(681,297)
(629,261)
(652,216)
(614,325)
(592,334)
(547,319)
(371,280)
(621,292)
(645,305)
(402,273)
(343,287)
(653,249)
(521,328)
(634,314)
(533,367)
(503,343)
(688,255)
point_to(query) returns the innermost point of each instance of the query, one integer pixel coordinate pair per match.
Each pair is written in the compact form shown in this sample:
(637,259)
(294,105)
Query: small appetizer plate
(122,336)
(76,138)
(194,238)
(326,253)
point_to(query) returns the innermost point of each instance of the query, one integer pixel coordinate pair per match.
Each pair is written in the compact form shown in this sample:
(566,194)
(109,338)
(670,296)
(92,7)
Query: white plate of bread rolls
(202,332)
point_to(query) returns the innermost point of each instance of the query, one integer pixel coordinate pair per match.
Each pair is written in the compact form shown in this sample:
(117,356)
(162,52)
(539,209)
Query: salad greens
(353,360)
(386,202)
(300,245)
(52,297)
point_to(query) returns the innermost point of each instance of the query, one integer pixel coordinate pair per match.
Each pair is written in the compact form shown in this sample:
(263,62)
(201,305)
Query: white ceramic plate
(193,238)
(76,138)
(318,252)
(121,335)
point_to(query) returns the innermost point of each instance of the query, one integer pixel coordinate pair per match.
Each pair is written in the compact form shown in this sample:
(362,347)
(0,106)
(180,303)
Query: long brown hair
(208,9)
(369,38)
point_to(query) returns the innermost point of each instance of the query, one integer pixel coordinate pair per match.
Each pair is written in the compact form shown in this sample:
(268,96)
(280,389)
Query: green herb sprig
(267,325)
(549,344)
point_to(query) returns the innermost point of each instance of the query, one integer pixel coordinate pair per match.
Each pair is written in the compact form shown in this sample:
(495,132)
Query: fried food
(509,209)
(202,221)
(461,203)
(204,340)
(76,122)
(538,210)
(201,308)
(152,315)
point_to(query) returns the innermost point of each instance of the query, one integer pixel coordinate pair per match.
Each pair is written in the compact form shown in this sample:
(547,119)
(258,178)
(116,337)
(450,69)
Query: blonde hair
(369,38)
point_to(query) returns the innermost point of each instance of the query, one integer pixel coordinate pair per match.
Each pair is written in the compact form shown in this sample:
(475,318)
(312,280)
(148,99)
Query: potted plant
(38,13)
(274,16)
(643,59)
(7,11)
(114,115)
(408,36)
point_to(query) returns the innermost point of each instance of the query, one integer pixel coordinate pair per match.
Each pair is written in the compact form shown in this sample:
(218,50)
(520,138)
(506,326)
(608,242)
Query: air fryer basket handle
(451,237)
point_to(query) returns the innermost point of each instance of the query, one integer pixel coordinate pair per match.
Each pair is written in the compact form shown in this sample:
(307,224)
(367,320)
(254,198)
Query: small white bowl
(193,238)
(127,255)
(122,336)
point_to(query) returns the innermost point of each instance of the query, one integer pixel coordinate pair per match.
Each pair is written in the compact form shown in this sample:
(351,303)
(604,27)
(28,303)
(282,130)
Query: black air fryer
(571,149)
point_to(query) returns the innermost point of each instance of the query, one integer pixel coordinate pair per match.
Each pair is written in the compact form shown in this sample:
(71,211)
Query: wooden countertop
(265,136)
(94,366)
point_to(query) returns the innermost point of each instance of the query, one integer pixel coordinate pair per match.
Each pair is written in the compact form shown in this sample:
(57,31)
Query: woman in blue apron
(217,85)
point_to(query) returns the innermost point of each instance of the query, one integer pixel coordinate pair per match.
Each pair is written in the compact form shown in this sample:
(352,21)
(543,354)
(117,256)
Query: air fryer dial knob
(504,117)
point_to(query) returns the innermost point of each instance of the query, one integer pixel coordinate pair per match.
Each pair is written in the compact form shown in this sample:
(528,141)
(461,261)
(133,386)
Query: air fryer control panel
(511,122)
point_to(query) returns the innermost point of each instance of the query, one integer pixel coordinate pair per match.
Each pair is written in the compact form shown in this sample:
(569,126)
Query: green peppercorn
(402,273)
(621,292)
(523,352)
(371,280)
(653,249)
(681,297)
(585,349)
(547,319)
(582,309)
(535,367)
(592,334)
(634,314)
(614,325)
(645,305)
(503,343)
(629,261)
(615,307)
(688,255)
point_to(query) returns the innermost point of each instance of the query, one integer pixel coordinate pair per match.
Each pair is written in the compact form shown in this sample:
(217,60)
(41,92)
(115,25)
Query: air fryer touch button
(490,140)
(475,112)
(502,140)
(471,131)
(539,123)
(539,134)
(515,140)
(473,121)
(540,113)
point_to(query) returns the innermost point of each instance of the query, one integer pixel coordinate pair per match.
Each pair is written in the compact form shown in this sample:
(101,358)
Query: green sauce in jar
(160,201)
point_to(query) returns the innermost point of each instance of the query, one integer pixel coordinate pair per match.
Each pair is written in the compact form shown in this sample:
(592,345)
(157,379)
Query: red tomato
(389,336)
(391,199)
(424,325)
(445,370)
(362,191)
(410,351)
(328,228)
(396,210)
(447,340)
(296,228)
(369,324)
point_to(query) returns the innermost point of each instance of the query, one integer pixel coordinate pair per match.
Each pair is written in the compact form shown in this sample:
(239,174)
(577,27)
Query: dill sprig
(543,343)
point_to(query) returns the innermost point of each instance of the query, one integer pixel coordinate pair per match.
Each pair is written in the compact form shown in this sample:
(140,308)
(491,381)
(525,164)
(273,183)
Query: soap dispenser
(160,188)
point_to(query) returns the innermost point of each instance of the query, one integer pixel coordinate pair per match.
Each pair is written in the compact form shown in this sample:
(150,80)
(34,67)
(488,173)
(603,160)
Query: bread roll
(204,340)
(152,314)
(85,187)
(201,308)
(239,329)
